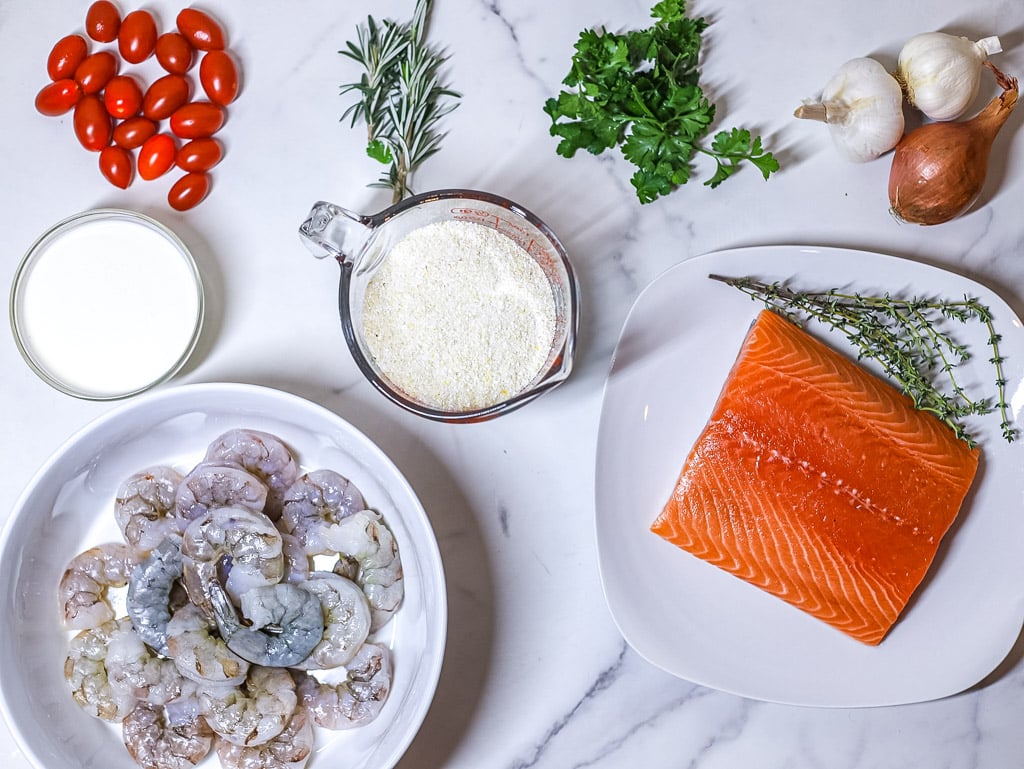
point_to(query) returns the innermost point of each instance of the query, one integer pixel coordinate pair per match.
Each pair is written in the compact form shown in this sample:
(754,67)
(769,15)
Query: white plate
(68,507)
(700,623)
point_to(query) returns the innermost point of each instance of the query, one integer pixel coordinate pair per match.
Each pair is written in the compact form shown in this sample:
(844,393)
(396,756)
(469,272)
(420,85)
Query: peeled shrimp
(244,540)
(255,712)
(155,744)
(283,623)
(262,454)
(297,564)
(217,484)
(363,537)
(315,504)
(199,655)
(355,701)
(149,592)
(83,587)
(133,669)
(86,673)
(291,749)
(346,620)
(144,507)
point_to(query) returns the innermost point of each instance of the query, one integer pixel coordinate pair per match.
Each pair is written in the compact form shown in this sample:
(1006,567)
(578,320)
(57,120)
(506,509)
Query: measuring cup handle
(331,230)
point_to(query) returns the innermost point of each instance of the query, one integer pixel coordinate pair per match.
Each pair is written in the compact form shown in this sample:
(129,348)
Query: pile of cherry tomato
(115,116)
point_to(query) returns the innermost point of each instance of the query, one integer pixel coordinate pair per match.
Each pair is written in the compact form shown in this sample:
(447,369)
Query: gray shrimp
(133,669)
(149,592)
(315,504)
(156,744)
(291,749)
(144,507)
(217,484)
(84,584)
(199,655)
(297,563)
(262,454)
(255,712)
(283,623)
(346,620)
(86,672)
(355,701)
(366,545)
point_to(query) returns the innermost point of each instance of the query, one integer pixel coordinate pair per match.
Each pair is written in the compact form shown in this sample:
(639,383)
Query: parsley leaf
(640,91)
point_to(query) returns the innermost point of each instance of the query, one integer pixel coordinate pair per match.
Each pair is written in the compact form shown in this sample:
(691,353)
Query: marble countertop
(536,674)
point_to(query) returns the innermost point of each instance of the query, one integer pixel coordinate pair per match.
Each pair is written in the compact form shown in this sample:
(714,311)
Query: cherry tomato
(200,30)
(174,53)
(197,120)
(199,155)
(219,77)
(95,71)
(164,96)
(156,156)
(137,37)
(117,166)
(92,123)
(122,97)
(58,97)
(65,57)
(188,191)
(132,132)
(102,21)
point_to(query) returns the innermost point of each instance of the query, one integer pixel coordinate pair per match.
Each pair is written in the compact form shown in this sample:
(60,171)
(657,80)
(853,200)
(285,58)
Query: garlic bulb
(940,72)
(863,107)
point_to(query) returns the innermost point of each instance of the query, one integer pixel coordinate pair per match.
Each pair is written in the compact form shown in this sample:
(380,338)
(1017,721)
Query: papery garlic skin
(940,72)
(863,107)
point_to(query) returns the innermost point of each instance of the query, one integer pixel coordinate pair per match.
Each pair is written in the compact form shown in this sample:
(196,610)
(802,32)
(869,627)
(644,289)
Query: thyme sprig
(905,337)
(401,95)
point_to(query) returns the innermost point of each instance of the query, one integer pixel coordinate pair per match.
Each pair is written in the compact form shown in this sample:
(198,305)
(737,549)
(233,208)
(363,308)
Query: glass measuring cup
(360,244)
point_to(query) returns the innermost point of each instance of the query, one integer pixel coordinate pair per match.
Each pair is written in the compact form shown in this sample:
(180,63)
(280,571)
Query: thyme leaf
(906,337)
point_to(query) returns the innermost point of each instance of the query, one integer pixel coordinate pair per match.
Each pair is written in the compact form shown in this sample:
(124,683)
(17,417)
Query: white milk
(109,307)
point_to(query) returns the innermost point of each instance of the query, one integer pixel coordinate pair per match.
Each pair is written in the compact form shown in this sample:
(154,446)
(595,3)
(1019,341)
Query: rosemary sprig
(401,95)
(905,337)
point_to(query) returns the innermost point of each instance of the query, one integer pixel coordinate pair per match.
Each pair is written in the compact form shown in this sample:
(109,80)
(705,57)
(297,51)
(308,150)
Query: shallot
(938,170)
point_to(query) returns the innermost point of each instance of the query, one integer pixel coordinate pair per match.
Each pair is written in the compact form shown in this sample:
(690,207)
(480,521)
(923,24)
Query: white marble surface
(536,674)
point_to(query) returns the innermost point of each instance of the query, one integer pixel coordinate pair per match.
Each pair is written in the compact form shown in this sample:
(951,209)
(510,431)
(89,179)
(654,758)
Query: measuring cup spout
(331,230)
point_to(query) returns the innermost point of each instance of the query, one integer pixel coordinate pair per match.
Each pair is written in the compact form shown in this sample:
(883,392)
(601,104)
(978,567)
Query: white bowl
(67,507)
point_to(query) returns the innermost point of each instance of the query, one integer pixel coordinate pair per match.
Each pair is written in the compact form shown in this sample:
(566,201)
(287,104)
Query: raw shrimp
(83,588)
(255,712)
(262,454)
(144,507)
(297,565)
(200,656)
(355,701)
(217,484)
(86,672)
(149,592)
(156,744)
(291,749)
(363,537)
(284,623)
(315,504)
(346,620)
(133,669)
(245,541)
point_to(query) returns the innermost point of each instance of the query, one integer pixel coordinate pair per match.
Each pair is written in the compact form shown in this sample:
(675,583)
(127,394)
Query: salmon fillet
(819,483)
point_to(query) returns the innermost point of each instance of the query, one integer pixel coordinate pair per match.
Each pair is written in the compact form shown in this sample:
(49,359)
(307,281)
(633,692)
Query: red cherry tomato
(199,155)
(132,132)
(188,191)
(117,166)
(197,120)
(156,156)
(65,57)
(58,97)
(102,21)
(200,30)
(174,53)
(95,71)
(136,39)
(219,77)
(92,123)
(122,97)
(165,96)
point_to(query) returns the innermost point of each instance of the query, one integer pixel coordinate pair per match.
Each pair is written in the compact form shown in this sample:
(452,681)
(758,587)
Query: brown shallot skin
(938,170)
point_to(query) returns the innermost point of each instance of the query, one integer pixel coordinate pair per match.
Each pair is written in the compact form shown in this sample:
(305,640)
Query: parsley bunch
(640,90)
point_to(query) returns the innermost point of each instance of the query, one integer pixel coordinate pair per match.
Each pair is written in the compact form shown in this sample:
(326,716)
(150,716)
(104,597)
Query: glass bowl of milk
(106,304)
(458,305)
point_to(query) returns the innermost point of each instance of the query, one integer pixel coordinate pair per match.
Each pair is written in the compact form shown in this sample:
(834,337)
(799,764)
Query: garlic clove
(940,72)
